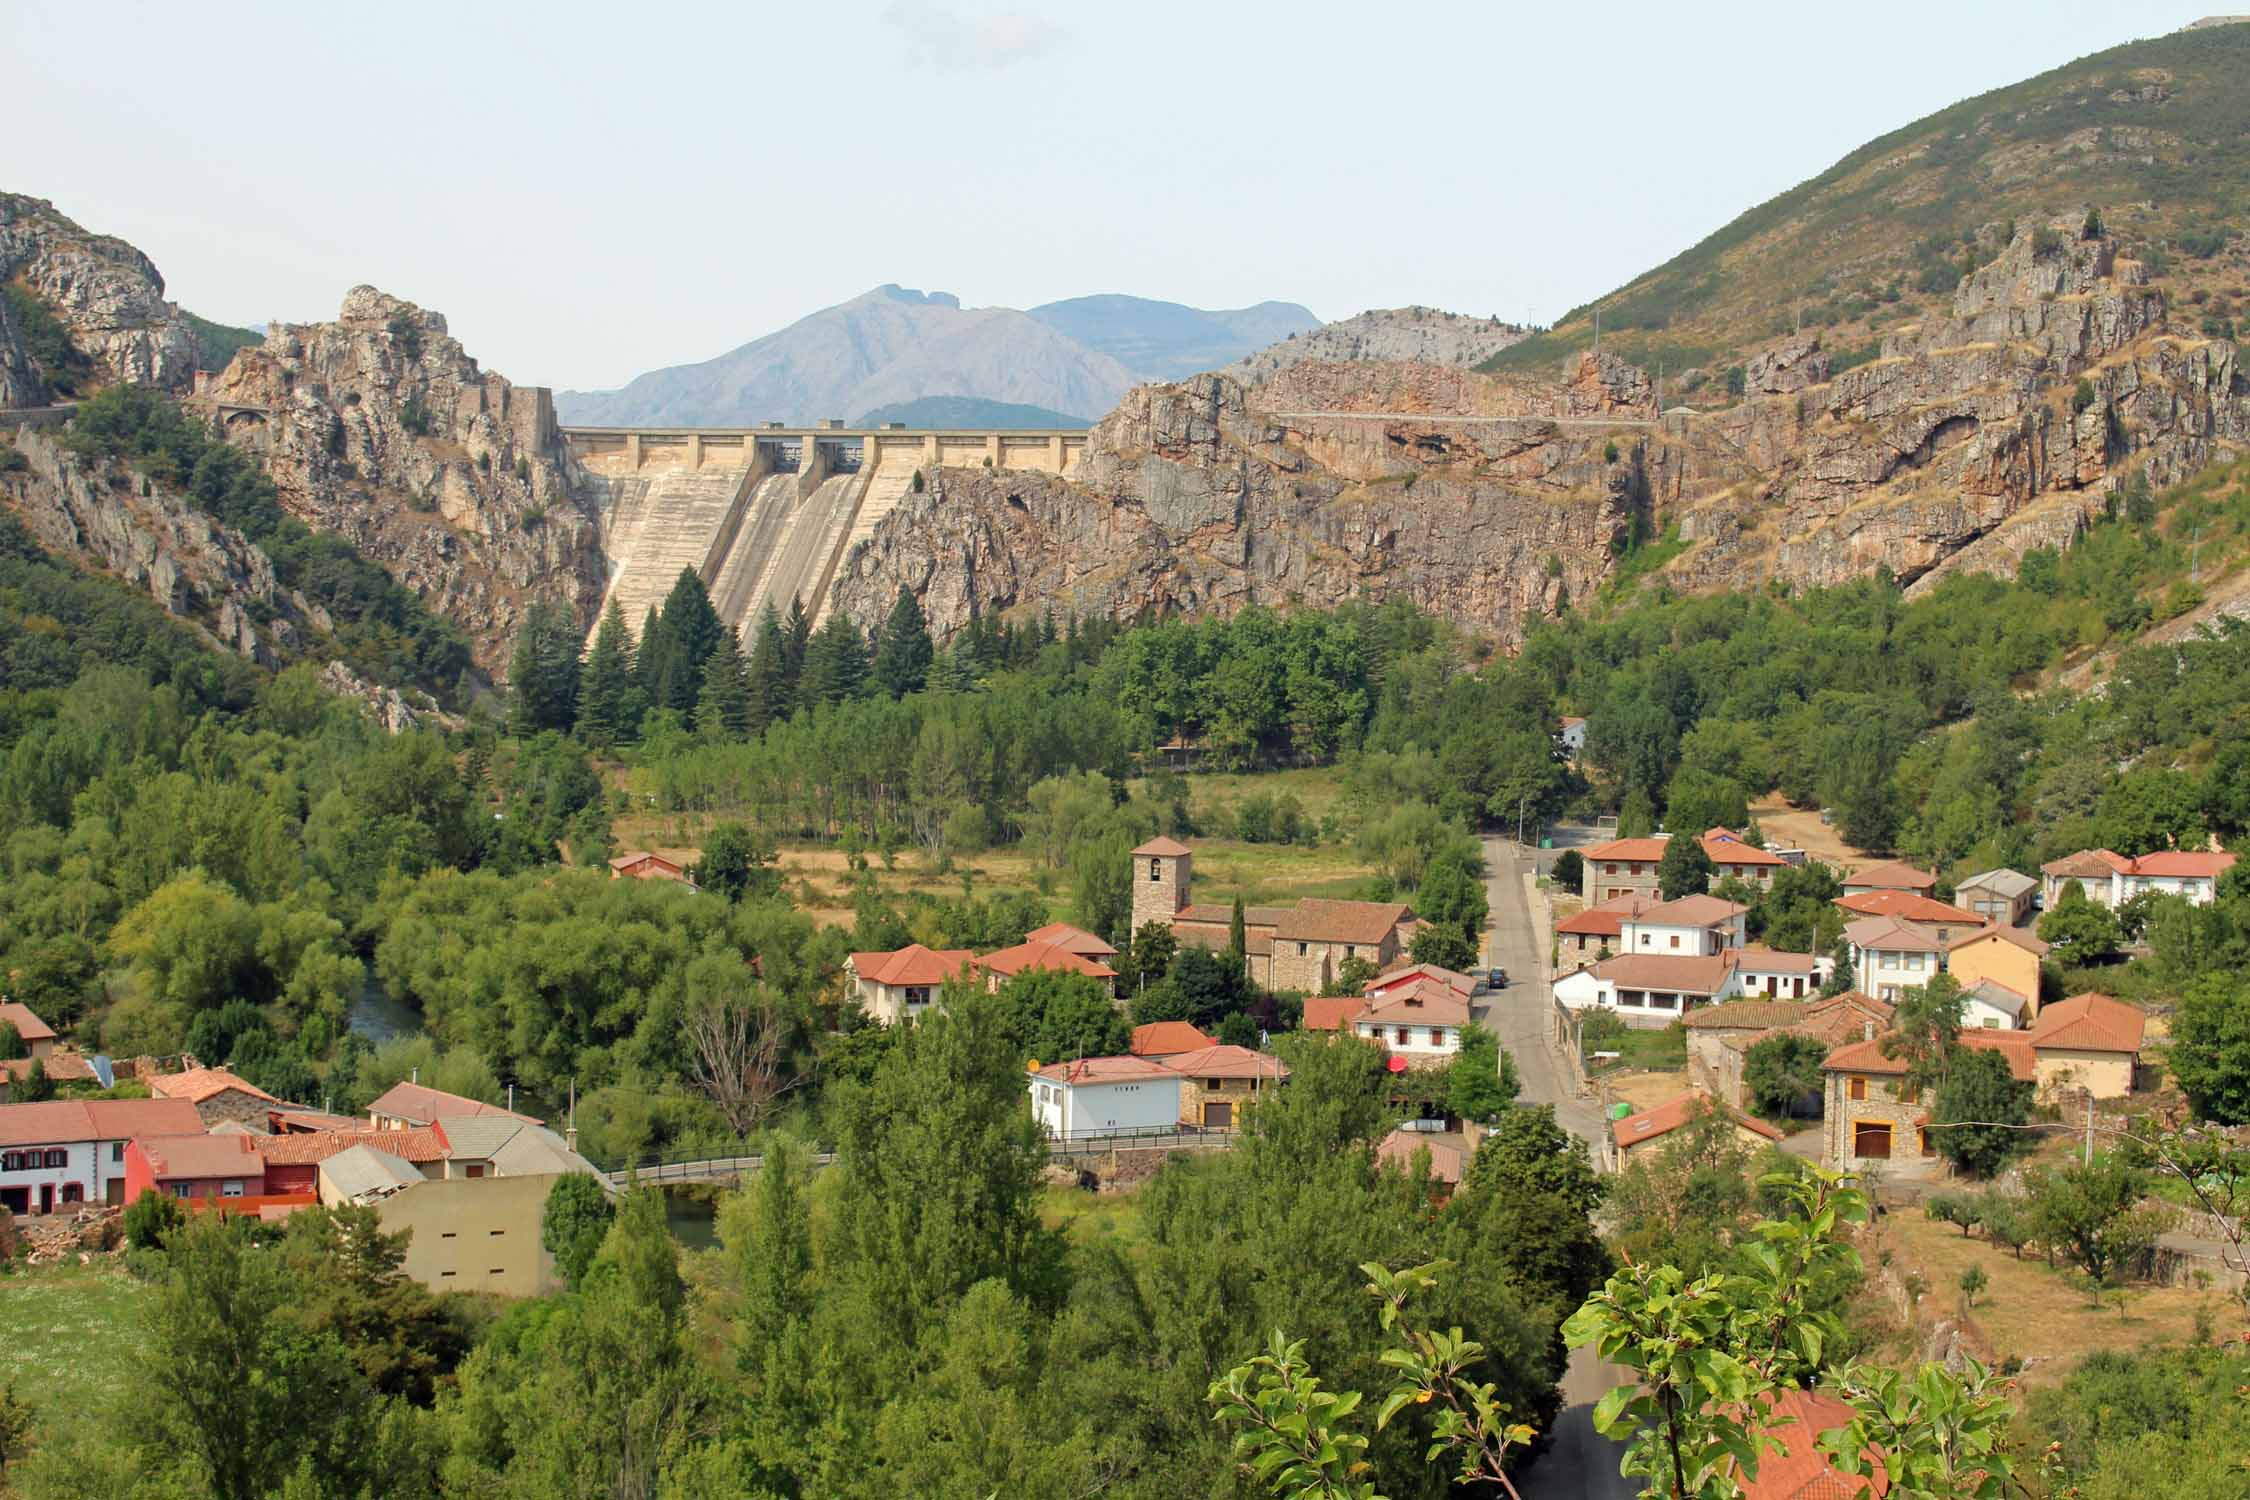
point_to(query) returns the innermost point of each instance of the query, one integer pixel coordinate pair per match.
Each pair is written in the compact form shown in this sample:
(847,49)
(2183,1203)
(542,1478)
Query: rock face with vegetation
(1419,335)
(100,294)
(379,427)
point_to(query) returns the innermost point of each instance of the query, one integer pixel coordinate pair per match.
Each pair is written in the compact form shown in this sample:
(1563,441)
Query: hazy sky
(591,191)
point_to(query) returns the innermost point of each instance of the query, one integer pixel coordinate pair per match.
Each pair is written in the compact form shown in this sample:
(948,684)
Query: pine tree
(1238,938)
(543,673)
(835,662)
(609,702)
(652,662)
(722,707)
(770,690)
(692,629)
(796,634)
(948,674)
(902,661)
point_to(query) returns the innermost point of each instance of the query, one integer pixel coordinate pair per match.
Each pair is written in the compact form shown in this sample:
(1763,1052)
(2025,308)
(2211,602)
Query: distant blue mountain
(1168,340)
(969,412)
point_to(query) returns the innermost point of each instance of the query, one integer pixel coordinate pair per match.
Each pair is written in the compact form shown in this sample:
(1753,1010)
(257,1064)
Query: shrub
(2082,397)
(1609,453)
(2045,242)
(150,1218)
(2092,228)
(415,417)
(406,335)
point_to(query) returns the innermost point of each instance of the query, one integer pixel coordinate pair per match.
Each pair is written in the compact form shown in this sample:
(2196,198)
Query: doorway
(1871,1140)
(1218,1114)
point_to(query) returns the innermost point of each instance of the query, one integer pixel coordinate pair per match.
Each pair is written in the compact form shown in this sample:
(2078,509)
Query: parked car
(1497,978)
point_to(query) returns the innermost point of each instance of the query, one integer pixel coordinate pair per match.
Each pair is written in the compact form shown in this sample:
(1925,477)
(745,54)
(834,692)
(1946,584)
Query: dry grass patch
(1647,1090)
(1787,827)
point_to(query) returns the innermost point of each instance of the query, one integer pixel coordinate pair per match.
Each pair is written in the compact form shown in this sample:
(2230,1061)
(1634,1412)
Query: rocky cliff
(1417,335)
(1998,426)
(107,296)
(379,427)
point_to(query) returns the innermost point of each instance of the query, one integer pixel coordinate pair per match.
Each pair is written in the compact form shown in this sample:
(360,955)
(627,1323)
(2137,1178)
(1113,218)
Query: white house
(1691,927)
(1889,955)
(2110,879)
(1648,990)
(901,984)
(1105,1096)
(1989,1005)
(64,1152)
(1420,1022)
(1570,733)
(1768,974)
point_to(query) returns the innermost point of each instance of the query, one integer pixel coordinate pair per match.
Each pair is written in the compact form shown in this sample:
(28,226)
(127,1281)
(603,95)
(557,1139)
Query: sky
(587,192)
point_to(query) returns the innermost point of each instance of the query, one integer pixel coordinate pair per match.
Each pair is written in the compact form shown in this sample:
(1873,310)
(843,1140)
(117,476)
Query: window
(1908,1093)
(1350,951)
(1927,1148)
(1857,1088)
(230,1189)
(495,1233)
(1210,1085)
(1609,869)
(1437,1037)
(1403,1034)
(1675,940)
(1156,869)
(116,1151)
(1303,949)
(179,1190)
(11,1161)
(57,1157)
(1871,1140)
(475,1169)
(447,1235)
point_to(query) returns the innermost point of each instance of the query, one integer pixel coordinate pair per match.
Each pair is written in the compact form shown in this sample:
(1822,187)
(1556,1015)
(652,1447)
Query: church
(1300,947)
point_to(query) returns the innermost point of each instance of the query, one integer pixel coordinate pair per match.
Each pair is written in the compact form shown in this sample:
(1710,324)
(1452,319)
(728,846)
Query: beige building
(2006,956)
(1219,1082)
(901,984)
(2001,897)
(1299,947)
(38,1036)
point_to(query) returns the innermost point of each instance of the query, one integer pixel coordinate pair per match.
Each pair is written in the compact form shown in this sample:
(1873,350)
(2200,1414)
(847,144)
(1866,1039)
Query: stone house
(1719,1037)
(1297,947)
(1644,1134)
(899,985)
(1219,1082)
(1598,931)
(2001,897)
(1621,867)
(217,1095)
(38,1036)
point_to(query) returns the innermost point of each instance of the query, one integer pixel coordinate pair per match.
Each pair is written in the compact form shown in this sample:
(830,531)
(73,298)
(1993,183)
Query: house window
(179,1190)
(1403,1034)
(1210,1085)
(1303,949)
(1927,1148)
(495,1234)
(917,994)
(58,1158)
(1908,1093)
(1350,951)
(1437,1037)
(1609,869)
(11,1161)
(1675,940)
(230,1190)
(475,1169)
(1871,1140)
(1856,1089)
(116,1151)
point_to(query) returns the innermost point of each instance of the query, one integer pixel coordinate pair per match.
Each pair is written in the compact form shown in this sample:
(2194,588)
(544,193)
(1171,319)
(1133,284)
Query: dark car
(1497,978)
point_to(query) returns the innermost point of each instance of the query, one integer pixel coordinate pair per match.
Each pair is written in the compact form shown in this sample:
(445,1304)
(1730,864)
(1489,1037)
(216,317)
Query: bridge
(657,1172)
(766,514)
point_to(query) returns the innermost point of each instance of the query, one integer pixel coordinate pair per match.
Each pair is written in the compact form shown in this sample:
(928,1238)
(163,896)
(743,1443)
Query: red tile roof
(198,1084)
(28,1026)
(303,1148)
(1076,939)
(2181,864)
(2085,863)
(1727,847)
(1798,1469)
(1316,921)
(1760,959)
(1222,1061)
(1332,1012)
(57,1122)
(1461,983)
(1890,935)
(419,1102)
(1894,875)
(1626,849)
(2090,1023)
(2029,942)
(1909,906)
(1690,911)
(286,1120)
(1867,1056)
(1160,845)
(172,1157)
(1593,922)
(1166,1039)
(1100,1070)
(1425,1004)
(912,964)
(1028,956)
(62,1067)
(1685,975)
(1449,1153)
(1653,1124)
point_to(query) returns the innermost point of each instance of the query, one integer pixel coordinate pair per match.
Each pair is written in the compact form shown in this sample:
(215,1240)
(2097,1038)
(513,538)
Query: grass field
(2031,1312)
(1090,1218)
(71,1336)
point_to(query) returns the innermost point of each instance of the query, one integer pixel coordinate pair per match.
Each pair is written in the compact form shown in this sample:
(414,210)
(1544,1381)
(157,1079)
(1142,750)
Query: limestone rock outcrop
(1974,437)
(379,427)
(106,294)
(1395,335)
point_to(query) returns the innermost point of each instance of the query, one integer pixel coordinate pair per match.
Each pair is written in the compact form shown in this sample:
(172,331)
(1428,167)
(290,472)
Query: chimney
(1867,1031)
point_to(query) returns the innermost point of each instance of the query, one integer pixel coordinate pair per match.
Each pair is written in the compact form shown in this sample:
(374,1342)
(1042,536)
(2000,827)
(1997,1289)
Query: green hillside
(2154,134)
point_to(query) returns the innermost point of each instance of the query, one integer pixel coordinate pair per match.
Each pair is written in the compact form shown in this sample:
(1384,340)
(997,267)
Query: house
(404,1106)
(1773,974)
(1621,867)
(2001,897)
(1450,1154)
(64,1152)
(38,1036)
(1299,947)
(2003,955)
(467,1236)
(639,864)
(1570,736)
(1989,1005)
(502,1146)
(1162,1039)
(1895,875)
(1694,926)
(1944,919)
(1219,1081)
(1077,939)
(1648,990)
(1735,857)
(1791,1463)
(1719,1037)
(1052,958)
(1587,934)
(1332,1012)
(2090,1042)
(61,1066)
(1890,956)
(217,1095)
(2110,879)
(1872,1115)
(294,1121)
(901,984)
(1105,1096)
(364,1174)
(1420,1021)
(1644,1133)
(293,1161)
(199,1165)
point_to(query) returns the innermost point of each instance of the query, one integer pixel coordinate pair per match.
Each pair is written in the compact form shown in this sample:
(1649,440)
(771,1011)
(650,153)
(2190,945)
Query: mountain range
(894,345)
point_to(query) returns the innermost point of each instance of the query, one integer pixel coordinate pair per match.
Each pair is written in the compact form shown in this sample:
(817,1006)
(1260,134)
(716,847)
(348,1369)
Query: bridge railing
(659,1169)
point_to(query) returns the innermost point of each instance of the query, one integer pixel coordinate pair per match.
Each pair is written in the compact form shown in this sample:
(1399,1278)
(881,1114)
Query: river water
(379,1016)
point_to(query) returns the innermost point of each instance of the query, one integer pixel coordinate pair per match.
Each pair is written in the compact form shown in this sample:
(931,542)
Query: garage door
(1871,1142)
(1218,1115)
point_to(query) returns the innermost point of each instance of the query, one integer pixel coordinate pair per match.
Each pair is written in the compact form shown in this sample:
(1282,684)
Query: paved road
(1582,1465)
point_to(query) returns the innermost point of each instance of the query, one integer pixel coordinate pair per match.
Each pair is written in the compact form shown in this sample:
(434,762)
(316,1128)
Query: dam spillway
(766,515)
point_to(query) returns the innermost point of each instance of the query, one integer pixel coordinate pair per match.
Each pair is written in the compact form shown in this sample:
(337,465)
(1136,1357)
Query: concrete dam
(766,515)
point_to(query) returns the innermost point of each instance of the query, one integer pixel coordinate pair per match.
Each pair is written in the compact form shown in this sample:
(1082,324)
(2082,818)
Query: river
(379,1016)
